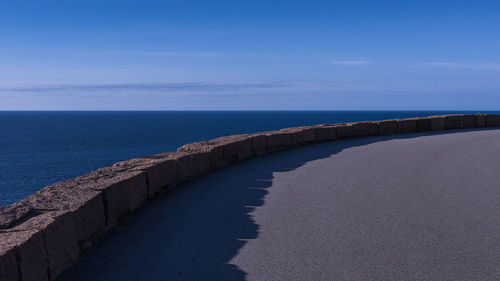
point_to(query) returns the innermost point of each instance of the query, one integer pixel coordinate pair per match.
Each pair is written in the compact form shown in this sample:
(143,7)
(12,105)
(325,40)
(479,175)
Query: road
(408,207)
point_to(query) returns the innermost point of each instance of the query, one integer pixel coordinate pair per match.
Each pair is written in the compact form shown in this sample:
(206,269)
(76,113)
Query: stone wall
(45,233)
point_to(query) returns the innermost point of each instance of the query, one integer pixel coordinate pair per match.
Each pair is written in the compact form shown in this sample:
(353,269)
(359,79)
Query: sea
(38,148)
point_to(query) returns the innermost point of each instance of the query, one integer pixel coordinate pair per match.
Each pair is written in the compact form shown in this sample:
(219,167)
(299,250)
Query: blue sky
(249,55)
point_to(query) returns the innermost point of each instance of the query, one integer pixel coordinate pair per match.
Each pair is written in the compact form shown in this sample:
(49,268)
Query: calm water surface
(41,148)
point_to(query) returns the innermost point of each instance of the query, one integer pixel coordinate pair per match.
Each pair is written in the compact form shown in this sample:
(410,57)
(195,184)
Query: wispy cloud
(479,65)
(349,62)
(196,54)
(180,86)
(445,64)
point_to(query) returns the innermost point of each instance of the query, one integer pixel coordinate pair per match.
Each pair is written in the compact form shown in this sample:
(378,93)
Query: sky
(249,55)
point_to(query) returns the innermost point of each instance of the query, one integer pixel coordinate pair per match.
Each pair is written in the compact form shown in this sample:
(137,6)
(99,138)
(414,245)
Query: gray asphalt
(412,207)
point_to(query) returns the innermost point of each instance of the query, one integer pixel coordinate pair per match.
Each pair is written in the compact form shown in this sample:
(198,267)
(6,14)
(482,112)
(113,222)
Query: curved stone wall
(45,233)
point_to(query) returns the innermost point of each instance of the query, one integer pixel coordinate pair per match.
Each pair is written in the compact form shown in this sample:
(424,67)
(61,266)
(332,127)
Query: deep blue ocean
(41,148)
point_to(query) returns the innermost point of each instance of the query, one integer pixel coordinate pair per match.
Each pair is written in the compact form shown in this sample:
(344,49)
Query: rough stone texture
(61,242)
(12,214)
(468,121)
(8,264)
(423,124)
(480,120)
(259,144)
(492,120)
(454,121)
(60,237)
(406,126)
(161,171)
(277,140)
(362,129)
(301,135)
(123,191)
(373,128)
(33,258)
(191,165)
(223,151)
(75,195)
(29,246)
(90,218)
(324,133)
(344,131)
(438,123)
(388,127)
(160,175)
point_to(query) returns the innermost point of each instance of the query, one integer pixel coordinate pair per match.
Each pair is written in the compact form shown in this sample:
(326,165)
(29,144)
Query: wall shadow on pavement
(193,231)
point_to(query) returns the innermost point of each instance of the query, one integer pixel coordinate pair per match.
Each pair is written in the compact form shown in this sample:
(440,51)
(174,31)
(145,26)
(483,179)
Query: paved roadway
(409,207)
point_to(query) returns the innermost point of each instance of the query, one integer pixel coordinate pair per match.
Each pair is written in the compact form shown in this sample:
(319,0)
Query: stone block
(388,127)
(77,195)
(237,147)
(407,126)
(161,175)
(33,258)
(492,120)
(60,237)
(123,191)
(90,218)
(32,263)
(423,124)
(324,133)
(438,123)
(259,144)
(277,140)
(225,151)
(468,121)
(480,120)
(301,135)
(454,121)
(343,131)
(362,129)
(116,202)
(61,242)
(191,165)
(8,264)
(161,171)
(373,129)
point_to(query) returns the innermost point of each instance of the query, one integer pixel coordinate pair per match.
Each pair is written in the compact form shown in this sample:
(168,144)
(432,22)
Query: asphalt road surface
(407,207)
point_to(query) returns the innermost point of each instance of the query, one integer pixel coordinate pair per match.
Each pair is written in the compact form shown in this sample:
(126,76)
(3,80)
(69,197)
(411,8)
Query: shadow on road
(193,231)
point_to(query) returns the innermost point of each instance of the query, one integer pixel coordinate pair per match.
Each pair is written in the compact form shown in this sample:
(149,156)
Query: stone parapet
(45,233)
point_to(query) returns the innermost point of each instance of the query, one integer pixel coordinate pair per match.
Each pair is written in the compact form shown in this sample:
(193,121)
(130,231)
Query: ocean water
(41,148)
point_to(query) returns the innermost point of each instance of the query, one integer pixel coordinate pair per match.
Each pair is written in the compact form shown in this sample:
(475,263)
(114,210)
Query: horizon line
(252,110)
